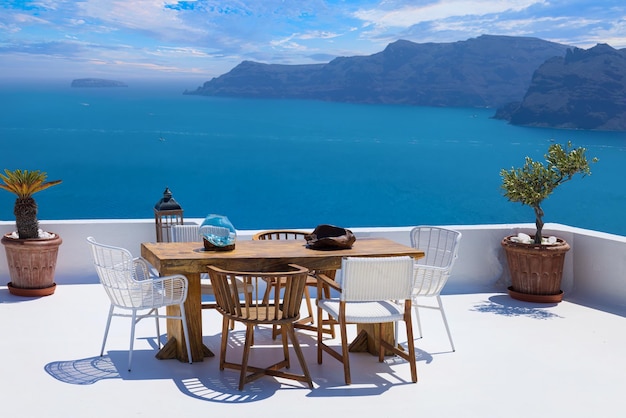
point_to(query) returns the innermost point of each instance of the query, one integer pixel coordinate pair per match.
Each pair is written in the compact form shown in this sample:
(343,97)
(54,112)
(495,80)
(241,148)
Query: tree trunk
(25,212)
(538,224)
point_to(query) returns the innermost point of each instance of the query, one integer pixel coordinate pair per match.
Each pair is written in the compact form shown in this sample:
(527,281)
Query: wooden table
(190,259)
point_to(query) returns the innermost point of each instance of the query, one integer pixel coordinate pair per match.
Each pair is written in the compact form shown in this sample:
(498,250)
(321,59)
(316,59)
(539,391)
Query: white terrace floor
(513,359)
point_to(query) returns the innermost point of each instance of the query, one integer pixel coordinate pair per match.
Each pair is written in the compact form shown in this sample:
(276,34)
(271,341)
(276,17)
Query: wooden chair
(441,246)
(257,309)
(131,289)
(307,321)
(371,292)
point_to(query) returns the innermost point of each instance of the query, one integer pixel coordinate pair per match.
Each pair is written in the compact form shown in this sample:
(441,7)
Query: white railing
(595,270)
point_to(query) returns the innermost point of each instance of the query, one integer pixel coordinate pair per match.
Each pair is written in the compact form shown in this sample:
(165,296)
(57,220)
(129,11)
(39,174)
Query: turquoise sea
(288,163)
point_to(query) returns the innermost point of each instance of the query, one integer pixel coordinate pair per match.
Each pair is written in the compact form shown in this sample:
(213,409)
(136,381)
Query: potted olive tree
(536,262)
(31,253)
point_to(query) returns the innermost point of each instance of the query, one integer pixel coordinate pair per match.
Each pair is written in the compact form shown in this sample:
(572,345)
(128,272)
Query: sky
(202,39)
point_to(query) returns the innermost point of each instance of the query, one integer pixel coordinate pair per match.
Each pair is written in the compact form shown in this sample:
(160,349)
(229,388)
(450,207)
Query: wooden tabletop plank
(190,257)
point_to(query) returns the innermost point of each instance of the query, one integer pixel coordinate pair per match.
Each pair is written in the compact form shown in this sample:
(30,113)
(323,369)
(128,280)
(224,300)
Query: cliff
(487,71)
(585,89)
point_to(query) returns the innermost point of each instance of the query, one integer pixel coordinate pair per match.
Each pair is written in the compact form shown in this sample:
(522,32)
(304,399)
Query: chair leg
(445,322)
(158,328)
(319,335)
(381,347)
(398,351)
(344,352)
(132,337)
(224,342)
(296,347)
(411,343)
(246,355)
(309,307)
(417,318)
(283,335)
(331,323)
(106,330)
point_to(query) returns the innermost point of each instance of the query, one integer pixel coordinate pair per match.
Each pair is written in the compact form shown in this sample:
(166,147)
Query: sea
(282,163)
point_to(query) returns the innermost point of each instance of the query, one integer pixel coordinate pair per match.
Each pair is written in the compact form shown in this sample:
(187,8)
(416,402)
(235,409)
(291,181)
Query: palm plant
(24,184)
(531,184)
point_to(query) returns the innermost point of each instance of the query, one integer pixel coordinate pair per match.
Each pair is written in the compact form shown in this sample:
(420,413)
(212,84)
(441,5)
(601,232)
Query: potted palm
(536,262)
(31,253)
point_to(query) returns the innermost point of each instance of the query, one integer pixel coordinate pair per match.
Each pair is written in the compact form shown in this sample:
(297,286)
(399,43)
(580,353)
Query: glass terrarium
(218,233)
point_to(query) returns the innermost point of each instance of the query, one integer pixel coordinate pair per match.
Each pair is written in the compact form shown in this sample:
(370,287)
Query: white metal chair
(441,248)
(130,287)
(371,292)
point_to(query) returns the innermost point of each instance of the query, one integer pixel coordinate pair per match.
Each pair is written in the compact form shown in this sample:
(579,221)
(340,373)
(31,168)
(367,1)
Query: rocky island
(97,82)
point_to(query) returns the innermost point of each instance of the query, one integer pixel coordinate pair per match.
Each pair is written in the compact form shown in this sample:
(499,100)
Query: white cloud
(318,35)
(216,35)
(410,15)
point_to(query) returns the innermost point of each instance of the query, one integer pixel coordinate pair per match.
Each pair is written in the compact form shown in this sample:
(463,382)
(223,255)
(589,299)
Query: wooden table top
(190,257)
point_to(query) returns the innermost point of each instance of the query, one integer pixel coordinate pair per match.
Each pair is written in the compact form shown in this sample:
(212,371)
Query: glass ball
(218,233)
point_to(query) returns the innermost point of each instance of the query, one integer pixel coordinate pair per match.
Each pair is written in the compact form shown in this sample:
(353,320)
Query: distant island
(97,82)
(530,81)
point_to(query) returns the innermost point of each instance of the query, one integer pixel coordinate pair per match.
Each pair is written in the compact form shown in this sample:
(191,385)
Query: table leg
(175,346)
(367,338)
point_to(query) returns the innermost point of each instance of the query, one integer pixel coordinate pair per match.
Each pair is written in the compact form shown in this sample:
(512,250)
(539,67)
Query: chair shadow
(86,371)
(204,381)
(369,377)
(201,380)
(507,306)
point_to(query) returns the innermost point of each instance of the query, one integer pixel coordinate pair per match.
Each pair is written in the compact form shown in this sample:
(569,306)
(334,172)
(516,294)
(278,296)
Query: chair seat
(153,298)
(365,312)
(261,315)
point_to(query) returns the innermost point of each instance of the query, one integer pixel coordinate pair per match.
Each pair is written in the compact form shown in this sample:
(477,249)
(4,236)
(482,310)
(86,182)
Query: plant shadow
(506,306)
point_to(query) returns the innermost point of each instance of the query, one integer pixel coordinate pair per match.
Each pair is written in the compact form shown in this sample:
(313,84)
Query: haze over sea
(288,163)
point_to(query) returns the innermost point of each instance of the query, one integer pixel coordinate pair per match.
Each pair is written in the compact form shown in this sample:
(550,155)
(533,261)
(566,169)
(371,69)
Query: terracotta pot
(536,270)
(32,263)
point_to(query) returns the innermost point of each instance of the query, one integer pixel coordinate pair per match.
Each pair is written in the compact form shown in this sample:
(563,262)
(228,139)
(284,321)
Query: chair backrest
(441,245)
(441,248)
(255,306)
(186,233)
(279,234)
(376,278)
(117,273)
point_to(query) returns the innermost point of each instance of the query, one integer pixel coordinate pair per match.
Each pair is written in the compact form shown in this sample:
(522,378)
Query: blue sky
(203,39)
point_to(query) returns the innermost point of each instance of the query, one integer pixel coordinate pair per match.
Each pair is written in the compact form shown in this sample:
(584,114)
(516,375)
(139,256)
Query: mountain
(585,89)
(488,71)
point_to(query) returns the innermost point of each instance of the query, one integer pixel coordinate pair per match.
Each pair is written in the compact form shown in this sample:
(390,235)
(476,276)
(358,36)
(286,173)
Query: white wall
(595,267)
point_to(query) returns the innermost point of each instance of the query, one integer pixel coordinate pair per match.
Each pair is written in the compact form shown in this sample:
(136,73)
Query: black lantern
(167,212)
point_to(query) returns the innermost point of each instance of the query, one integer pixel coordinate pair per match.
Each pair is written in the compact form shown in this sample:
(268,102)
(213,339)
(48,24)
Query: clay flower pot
(32,263)
(536,270)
